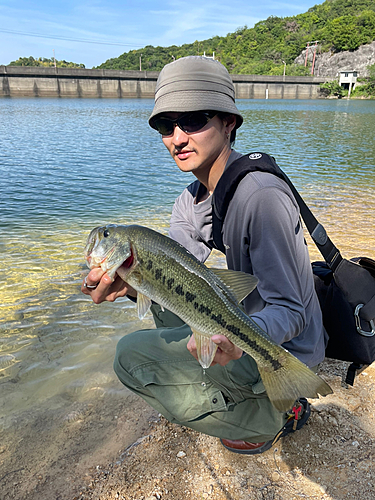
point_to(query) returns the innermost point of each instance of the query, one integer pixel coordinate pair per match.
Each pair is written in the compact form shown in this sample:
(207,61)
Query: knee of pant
(123,357)
(130,349)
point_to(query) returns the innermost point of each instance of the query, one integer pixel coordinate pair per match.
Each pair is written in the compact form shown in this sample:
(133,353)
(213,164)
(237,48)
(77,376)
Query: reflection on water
(67,166)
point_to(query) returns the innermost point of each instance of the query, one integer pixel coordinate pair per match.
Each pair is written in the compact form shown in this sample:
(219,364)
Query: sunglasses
(188,122)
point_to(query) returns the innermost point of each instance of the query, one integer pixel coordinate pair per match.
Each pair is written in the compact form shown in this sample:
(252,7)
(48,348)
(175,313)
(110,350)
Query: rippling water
(69,165)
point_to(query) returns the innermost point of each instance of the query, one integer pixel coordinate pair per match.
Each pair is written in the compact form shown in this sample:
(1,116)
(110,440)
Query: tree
(337,24)
(332,88)
(42,61)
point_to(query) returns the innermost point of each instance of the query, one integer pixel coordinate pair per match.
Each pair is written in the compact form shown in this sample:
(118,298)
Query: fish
(207,299)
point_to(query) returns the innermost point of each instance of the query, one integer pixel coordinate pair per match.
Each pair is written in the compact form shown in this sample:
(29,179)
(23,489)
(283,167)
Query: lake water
(67,166)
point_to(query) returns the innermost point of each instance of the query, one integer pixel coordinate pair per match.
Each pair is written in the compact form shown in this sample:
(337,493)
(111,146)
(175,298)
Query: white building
(348,79)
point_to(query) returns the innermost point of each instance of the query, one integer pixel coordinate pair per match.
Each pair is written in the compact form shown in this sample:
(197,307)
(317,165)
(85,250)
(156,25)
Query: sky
(92,31)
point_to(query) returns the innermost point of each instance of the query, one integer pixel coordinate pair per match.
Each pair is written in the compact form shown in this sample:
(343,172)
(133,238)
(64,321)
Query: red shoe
(244,447)
(297,418)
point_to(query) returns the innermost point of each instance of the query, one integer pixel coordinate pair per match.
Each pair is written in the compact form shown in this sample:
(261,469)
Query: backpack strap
(228,183)
(329,251)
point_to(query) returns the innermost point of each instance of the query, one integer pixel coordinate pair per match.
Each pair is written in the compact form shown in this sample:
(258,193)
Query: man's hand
(106,289)
(226,350)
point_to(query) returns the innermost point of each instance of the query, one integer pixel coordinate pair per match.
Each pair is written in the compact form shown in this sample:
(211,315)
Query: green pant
(224,401)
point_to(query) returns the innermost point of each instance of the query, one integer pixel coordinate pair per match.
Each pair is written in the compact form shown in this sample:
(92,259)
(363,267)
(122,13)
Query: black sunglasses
(188,122)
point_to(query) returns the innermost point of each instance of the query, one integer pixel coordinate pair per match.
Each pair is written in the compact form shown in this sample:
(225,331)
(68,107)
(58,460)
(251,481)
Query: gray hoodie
(263,236)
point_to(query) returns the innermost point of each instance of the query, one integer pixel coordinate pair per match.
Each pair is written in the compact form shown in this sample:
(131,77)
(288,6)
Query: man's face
(196,152)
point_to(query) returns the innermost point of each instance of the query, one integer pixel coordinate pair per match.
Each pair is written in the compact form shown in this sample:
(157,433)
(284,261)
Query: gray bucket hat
(195,83)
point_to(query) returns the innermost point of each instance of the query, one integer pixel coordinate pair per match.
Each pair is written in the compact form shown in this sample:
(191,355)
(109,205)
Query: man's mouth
(184,154)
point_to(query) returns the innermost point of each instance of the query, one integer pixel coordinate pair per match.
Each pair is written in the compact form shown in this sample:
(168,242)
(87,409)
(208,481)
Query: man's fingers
(223,342)
(91,281)
(100,286)
(226,351)
(191,345)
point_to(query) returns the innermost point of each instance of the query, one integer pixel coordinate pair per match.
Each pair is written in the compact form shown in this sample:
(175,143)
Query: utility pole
(313,63)
(284,67)
(140,62)
(307,51)
(54,60)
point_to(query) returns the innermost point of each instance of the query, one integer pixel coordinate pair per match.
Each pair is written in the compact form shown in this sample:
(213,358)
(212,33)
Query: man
(196,115)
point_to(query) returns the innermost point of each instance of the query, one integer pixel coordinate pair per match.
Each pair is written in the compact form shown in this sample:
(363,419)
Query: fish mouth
(108,255)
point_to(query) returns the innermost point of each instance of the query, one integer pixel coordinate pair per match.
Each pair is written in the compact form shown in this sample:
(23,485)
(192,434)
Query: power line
(81,40)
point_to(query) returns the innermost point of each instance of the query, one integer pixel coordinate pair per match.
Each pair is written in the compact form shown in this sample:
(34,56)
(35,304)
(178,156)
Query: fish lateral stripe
(170,283)
(276,365)
(219,320)
(190,297)
(204,309)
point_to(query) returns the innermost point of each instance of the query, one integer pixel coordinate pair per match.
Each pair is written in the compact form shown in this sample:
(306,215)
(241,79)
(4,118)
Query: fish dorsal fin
(240,284)
(143,305)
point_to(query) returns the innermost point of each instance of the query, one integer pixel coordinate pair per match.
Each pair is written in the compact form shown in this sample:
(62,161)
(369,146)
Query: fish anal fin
(206,349)
(239,283)
(143,305)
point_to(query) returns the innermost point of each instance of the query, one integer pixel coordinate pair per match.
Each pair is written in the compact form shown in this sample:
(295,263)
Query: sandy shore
(120,448)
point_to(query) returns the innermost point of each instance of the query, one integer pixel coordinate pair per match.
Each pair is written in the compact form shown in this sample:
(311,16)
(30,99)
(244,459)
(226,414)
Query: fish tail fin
(290,382)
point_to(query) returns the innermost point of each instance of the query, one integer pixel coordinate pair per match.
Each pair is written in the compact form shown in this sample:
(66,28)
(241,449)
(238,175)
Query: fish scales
(165,272)
(201,309)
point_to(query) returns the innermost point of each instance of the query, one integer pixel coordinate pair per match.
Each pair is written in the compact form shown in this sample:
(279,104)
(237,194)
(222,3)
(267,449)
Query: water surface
(67,166)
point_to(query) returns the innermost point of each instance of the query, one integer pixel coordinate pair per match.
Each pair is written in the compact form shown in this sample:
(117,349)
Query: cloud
(134,24)
(184,25)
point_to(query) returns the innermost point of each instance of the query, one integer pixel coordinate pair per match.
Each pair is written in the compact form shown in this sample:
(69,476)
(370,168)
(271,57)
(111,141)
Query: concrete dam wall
(22,81)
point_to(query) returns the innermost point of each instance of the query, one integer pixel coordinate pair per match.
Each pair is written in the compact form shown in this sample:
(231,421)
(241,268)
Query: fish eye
(106,233)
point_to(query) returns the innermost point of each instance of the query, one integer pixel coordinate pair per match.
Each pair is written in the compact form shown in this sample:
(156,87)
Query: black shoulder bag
(345,288)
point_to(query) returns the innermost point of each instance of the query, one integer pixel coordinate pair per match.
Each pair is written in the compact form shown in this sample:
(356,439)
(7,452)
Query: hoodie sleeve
(190,224)
(265,237)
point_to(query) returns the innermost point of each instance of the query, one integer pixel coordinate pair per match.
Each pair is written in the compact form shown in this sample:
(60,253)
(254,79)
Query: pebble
(6,360)
(275,476)
(181,454)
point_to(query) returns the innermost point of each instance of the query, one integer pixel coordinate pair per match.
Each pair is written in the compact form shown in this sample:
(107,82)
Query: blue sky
(124,25)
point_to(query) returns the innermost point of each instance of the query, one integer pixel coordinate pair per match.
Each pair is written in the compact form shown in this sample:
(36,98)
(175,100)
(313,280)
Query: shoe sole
(257,451)
(284,432)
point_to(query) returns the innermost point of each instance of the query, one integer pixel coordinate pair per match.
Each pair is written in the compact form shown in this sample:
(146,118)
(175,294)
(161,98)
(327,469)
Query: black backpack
(345,288)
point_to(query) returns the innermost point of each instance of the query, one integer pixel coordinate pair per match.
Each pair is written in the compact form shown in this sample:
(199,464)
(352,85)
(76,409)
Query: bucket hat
(195,83)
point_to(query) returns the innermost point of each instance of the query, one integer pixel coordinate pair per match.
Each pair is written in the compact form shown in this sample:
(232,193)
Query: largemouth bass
(162,270)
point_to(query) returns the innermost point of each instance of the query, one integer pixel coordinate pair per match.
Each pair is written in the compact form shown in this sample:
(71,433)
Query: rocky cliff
(329,64)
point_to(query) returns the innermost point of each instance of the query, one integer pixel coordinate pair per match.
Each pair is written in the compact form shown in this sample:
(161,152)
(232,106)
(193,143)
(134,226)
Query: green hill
(337,24)
(42,61)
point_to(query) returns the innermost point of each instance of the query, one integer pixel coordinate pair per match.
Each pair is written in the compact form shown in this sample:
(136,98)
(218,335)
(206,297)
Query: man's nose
(179,136)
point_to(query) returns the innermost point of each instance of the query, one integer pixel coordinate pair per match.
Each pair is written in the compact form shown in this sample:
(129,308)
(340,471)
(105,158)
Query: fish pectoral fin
(143,305)
(239,283)
(206,349)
